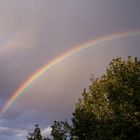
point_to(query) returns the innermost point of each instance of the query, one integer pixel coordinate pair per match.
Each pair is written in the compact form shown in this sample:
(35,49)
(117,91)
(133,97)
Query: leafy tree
(110,108)
(60,130)
(36,135)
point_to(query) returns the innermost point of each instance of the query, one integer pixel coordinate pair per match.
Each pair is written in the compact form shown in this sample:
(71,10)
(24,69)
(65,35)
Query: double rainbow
(60,58)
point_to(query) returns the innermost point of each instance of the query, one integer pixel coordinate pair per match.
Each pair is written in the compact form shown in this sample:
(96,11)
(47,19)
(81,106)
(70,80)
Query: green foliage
(36,135)
(110,108)
(60,130)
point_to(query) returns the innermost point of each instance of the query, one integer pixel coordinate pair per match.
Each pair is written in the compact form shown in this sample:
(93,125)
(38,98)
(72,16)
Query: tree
(36,135)
(60,130)
(110,108)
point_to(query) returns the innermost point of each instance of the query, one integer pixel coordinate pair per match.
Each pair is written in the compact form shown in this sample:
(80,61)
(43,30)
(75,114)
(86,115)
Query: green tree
(60,130)
(110,108)
(36,135)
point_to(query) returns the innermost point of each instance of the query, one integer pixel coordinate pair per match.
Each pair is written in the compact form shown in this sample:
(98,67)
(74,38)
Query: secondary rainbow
(60,58)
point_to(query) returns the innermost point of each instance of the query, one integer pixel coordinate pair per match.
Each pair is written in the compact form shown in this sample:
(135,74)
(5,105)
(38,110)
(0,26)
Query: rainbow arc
(60,58)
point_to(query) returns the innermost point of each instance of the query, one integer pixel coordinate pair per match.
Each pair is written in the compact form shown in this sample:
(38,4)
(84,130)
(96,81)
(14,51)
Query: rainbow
(60,58)
(9,43)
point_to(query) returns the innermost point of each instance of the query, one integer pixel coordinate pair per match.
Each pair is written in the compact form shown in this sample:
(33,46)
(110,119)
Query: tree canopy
(36,135)
(110,108)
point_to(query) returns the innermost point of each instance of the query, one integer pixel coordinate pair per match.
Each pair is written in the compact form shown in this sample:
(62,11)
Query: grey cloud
(10,132)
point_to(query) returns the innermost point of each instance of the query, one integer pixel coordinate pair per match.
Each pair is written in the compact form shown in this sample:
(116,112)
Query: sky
(35,33)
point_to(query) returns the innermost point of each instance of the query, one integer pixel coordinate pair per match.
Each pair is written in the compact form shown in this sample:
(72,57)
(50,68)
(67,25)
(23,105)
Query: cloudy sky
(35,32)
